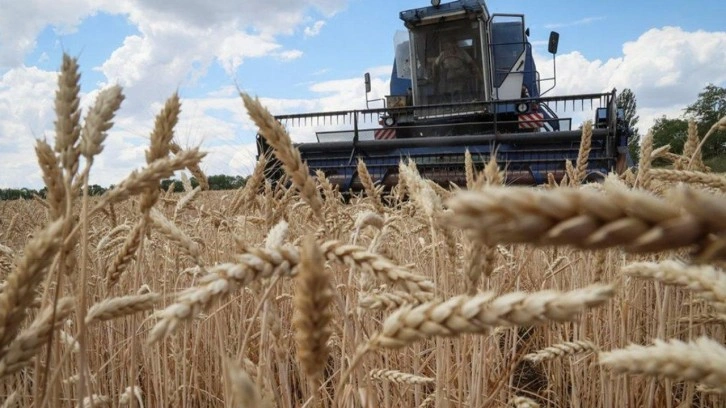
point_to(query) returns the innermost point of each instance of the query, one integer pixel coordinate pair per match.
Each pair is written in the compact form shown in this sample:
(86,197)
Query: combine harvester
(462,79)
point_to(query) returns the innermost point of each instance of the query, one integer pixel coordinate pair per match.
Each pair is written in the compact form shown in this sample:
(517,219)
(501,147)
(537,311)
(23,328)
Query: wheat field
(565,295)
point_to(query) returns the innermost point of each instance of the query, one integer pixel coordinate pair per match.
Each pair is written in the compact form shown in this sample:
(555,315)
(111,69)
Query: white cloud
(665,68)
(582,21)
(313,30)
(21,21)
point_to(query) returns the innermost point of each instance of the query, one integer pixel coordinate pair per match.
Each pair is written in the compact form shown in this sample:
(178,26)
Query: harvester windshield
(448,61)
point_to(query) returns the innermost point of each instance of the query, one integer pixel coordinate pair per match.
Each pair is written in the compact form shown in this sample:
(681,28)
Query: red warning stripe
(384,134)
(531,120)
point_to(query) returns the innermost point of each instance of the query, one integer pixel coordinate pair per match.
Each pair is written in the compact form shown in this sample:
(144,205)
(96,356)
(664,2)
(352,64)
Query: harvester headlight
(389,121)
(435,3)
(522,107)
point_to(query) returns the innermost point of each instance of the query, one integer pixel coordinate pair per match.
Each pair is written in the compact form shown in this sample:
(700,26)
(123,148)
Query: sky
(306,56)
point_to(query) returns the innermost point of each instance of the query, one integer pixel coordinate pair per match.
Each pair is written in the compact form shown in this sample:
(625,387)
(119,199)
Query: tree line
(216,182)
(709,108)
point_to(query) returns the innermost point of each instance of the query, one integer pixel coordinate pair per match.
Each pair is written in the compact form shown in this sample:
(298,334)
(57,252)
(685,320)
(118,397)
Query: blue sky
(305,55)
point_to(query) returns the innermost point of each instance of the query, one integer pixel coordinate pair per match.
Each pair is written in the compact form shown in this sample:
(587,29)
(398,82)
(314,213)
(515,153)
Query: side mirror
(368,82)
(553,42)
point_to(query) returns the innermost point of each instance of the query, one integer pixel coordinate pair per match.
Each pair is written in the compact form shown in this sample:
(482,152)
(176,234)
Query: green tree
(707,110)
(670,131)
(628,103)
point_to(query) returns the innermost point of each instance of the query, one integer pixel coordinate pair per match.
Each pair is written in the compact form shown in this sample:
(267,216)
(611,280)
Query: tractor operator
(454,69)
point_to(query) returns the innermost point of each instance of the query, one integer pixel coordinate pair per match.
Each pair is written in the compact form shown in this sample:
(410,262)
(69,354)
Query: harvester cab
(462,79)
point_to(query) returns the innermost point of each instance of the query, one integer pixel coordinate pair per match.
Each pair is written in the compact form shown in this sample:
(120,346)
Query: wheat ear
(706,281)
(312,316)
(99,120)
(176,235)
(280,141)
(644,165)
(702,361)
(480,313)
(713,180)
(53,179)
(68,114)
(636,220)
(29,342)
(560,350)
(583,154)
(240,390)
(399,377)
(149,177)
(370,188)
(113,308)
(19,288)
(380,300)
(378,266)
(523,402)
(221,279)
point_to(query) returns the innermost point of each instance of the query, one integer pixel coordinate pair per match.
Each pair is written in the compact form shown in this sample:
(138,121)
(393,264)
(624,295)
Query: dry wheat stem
(399,377)
(12,400)
(480,313)
(560,350)
(702,360)
(584,218)
(706,281)
(220,280)
(29,342)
